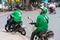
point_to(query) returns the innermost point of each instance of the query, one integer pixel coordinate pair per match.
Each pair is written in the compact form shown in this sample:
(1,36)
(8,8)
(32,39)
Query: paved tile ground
(11,36)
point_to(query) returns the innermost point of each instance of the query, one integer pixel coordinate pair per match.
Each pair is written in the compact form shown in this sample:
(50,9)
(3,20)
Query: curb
(5,13)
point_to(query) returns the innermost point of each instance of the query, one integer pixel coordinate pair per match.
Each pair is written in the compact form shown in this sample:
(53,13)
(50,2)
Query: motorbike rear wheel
(22,31)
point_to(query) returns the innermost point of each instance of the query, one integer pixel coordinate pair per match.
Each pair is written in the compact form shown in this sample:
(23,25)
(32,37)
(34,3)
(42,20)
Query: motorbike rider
(41,23)
(16,16)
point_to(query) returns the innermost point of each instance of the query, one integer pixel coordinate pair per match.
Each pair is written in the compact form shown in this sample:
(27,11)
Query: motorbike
(48,35)
(15,27)
(52,10)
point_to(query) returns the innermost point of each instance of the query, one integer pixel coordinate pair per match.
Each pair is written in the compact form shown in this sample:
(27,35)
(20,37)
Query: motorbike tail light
(49,35)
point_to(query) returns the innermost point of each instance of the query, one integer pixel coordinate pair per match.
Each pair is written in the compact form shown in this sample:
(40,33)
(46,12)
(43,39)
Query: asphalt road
(54,21)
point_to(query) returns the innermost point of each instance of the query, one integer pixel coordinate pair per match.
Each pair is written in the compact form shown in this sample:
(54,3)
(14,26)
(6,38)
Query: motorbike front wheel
(34,37)
(7,28)
(37,38)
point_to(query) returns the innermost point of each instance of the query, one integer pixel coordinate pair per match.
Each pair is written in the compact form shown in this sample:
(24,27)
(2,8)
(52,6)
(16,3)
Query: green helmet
(17,15)
(44,9)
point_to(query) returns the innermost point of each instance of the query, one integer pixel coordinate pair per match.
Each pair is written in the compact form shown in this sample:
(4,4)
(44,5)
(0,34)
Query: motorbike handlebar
(32,23)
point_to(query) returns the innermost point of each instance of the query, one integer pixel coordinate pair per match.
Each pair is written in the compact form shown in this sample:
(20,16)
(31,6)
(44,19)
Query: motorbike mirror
(30,19)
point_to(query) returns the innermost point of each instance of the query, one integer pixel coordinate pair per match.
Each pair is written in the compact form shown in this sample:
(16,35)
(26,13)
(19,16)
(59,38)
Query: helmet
(17,6)
(44,9)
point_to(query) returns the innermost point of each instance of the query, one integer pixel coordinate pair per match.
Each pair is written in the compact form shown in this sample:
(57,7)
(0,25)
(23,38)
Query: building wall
(0,1)
(54,0)
(57,0)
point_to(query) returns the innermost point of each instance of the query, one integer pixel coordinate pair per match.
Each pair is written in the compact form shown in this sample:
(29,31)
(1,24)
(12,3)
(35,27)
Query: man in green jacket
(41,23)
(16,16)
(42,20)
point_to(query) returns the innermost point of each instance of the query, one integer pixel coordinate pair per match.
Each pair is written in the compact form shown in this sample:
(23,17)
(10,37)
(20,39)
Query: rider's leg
(21,23)
(10,23)
(14,23)
(40,34)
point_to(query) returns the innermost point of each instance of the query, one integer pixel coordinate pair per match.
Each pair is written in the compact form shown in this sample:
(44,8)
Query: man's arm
(37,21)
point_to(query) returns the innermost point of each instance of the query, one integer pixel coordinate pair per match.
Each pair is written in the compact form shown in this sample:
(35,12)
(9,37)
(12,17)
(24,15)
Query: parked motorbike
(15,27)
(52,10)
(48,35)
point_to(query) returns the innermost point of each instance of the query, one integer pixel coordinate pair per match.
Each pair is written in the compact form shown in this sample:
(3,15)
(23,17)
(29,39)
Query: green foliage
(39,1)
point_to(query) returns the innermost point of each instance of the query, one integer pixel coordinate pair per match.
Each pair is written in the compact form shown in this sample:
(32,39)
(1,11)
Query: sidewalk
(11,36)
(22,10)
(5,12)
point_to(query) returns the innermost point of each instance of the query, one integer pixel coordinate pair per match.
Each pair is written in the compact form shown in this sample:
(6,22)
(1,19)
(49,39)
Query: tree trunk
(27,3)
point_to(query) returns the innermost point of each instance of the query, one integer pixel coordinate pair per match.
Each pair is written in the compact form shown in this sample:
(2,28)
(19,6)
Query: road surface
(54,21)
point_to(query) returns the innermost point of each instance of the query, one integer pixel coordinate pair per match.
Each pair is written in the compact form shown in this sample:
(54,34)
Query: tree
(39,1)
(32,1)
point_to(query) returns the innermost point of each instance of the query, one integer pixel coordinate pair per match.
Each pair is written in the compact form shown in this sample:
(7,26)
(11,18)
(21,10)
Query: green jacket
(41,22)
(17,14)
